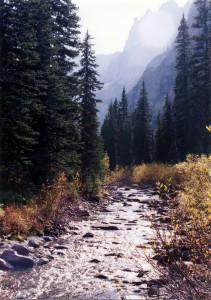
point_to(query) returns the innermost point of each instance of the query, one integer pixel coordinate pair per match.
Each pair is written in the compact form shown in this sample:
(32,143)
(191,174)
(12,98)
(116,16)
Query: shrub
(191,235)
(151,173)
(41,212)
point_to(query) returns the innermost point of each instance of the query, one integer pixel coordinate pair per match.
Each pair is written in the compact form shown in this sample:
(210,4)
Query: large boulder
(16,260)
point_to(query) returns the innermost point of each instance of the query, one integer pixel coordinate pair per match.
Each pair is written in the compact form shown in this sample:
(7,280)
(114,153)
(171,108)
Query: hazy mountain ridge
(159,76)
(128,66)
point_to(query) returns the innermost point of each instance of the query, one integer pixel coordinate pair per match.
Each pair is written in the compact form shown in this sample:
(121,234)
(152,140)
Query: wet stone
(48,238)
(61,247)
(109,227)
(101,276)
(42,261)
(4,266)
(16,260)
(94,261)
(32,243)
(114,254)
(88,235)
(60,253)
(21,250)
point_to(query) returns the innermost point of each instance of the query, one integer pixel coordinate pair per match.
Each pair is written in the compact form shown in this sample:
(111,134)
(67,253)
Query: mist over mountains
(149,52)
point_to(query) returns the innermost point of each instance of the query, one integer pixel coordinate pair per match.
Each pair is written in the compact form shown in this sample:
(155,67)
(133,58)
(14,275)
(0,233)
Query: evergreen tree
(124,131)
(142,132)
(1,79)
(181,104)
(58,148)
(39,116)
(19,102)
(209,46)
(158,140)
(89,133)
(110,134)
(164,134)
(199,115)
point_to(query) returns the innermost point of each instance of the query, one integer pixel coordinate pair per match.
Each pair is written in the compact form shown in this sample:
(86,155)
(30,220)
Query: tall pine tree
(58,148)
(199,115)
(124,131)
(89,84)
(164,134)
(18,92)
(181,101)
(142,132)
(110,134)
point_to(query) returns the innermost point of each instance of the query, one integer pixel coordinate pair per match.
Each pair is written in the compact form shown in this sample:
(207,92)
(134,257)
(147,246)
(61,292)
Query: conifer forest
(65,174)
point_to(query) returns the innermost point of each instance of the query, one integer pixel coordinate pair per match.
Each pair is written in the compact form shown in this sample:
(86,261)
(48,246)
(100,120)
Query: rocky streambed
(102,256)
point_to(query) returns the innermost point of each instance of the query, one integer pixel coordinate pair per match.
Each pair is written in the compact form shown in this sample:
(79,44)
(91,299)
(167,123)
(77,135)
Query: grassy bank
(41,213)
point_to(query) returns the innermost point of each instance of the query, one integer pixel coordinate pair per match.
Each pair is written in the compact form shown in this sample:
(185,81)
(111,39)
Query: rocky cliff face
(159,75)
(148,37)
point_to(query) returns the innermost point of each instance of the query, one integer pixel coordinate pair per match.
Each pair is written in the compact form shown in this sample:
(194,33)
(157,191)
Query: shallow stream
(105,256)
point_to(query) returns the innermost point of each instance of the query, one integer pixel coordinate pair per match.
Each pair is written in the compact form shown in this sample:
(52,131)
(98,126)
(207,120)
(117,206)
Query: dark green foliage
(19,91)
(58,148)
(110,134)
(199,96)
(89,84)
(39,114)
(181,104)
(124,132)
(116,133)
(164,134)
(1,78)
(142,132)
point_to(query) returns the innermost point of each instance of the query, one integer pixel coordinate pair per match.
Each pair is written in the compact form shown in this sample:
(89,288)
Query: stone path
(103,257)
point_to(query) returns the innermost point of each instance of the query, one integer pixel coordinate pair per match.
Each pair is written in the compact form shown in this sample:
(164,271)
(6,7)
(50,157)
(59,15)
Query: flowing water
(105,256)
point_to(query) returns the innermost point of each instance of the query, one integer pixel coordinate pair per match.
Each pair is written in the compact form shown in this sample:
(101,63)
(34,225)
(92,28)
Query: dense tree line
(181,125)
(47,109)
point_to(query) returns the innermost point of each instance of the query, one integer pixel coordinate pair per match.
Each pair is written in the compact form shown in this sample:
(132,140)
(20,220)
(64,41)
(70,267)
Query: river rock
(42,261)
(21,250)
(101,276)
(127,189)
(94,261)
(4,266)
(33,244)
(16,260)
(88,235)
(109,227)
(47,238)
(61,247)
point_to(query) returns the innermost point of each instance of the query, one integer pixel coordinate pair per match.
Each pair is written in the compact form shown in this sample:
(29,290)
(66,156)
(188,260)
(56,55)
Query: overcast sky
(109,21)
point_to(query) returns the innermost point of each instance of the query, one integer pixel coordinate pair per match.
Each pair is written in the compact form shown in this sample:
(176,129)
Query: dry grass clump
(119,175)
(41,212)
(154,172)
